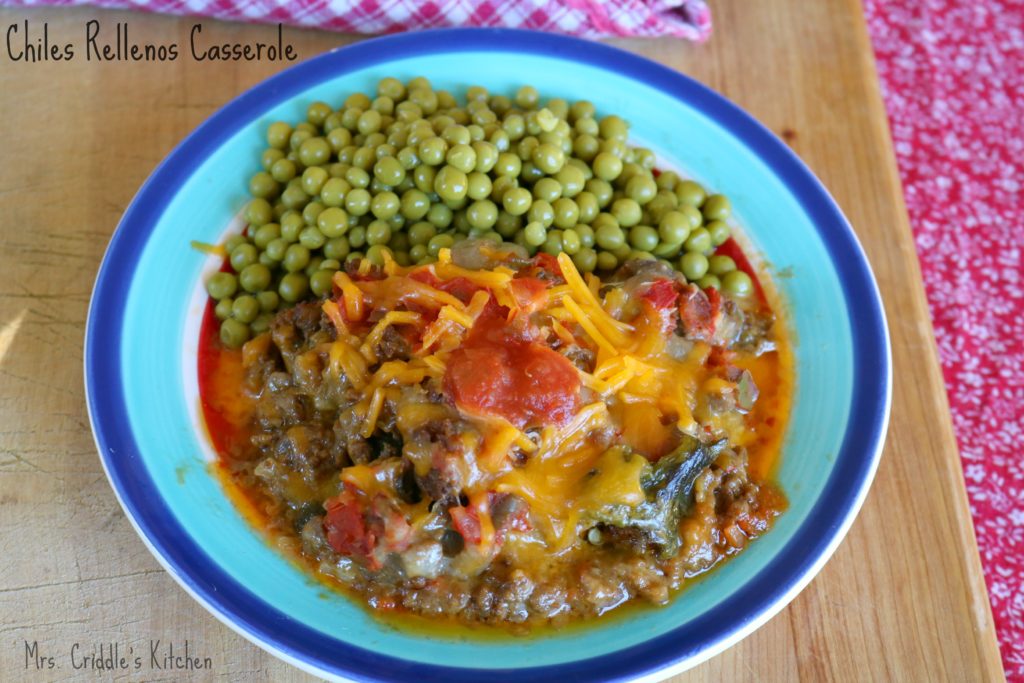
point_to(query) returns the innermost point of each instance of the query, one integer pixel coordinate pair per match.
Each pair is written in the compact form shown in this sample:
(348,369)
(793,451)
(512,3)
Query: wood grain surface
(902,599)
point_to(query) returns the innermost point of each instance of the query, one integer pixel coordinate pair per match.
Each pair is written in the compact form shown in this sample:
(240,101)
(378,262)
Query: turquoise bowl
(141,346)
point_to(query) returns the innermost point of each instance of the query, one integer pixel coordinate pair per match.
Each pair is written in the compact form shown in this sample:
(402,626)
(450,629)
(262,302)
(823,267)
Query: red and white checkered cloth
(688,19)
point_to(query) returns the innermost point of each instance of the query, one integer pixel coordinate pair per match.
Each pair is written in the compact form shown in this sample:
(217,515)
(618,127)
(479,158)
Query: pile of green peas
(411,171)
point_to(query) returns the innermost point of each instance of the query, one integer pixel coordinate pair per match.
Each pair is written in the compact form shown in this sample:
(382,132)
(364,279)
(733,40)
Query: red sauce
(499,372)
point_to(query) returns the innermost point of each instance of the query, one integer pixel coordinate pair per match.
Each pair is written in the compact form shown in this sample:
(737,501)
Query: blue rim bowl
(141,341)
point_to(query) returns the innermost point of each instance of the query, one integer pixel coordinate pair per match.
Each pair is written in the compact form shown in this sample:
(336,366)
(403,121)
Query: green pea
(389,171)
(527,97)
(357,177)
(223,308)
(233,242)
(674,227)
(508,164)
(423,178)
(482,214)
(641,189)
(547,189)
(478,185)
(255,278)
(418,252)
(614,128)
(609,235)
(311,211)
(716,208)
(692,215)
(283,170)
(451,184)
(270,157)
(312,238)
(585,147)
(339,138)
(553,244)
(321,282)
(548,158)
(278,134)
(275,251)
(690,193)
(369,122)
(296,257)
(221,285)
(313,265)
(265,234)
(541,212)
(259,212)
(293,287)
(737,283)
(440,216)
(268,300)
(245,308)
(710,281)
(699,241)
(567,213)
(314,151)
(456,134)
(333,221)
(570,242)
(627,212)
(585,259)
(623,252)
(294,197)
(439,242)
(667,180)
(333,192)
(646,158)
(643,238)
(357,203)
(233,334)
(606,166)
(378,232)
(534,234)
(336,248)
(601,189)
(588,206)
(263,185)
(421,232)
(262,323)
(385,205)
(296,139)
(243,255)
(572,179)
(313,179)
(516,201)
(694,265)
(720,264)
(486,156)
(667,250)
(606,261)
(462,157)
(719,231)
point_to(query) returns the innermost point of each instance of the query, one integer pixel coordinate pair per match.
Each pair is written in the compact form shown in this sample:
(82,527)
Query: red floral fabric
(688,19)
(952,76)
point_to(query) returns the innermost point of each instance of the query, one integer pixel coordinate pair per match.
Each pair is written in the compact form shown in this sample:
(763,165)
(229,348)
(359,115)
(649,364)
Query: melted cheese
(642,394)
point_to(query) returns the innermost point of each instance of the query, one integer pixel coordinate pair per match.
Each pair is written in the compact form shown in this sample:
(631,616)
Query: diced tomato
(346,528)
(461,288)
(546,261)
(698,310)
(523,382)
(467,523)
(661,293)
(530,293)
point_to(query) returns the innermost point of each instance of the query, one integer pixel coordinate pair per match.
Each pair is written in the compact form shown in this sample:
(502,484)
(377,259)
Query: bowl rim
(741,613)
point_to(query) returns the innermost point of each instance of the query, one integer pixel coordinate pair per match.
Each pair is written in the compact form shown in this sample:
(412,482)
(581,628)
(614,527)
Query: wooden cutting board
(902,599)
